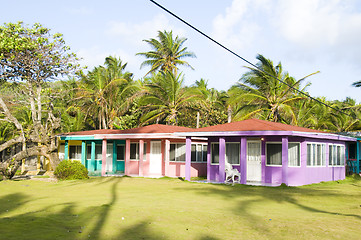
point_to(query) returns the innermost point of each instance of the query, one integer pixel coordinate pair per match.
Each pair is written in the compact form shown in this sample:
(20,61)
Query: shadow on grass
(47,223)
(65,222)
(246,197)
(10,202)
(140,231)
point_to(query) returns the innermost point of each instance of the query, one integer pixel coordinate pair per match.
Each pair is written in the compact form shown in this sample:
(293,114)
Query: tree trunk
(229,113)
(197,119)
(100,120)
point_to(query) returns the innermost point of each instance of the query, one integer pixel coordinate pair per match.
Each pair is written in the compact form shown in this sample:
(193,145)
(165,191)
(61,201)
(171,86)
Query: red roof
(253,125)
(155,128)
(245,125)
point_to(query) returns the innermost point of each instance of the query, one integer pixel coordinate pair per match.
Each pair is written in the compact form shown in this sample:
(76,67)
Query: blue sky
(306,36)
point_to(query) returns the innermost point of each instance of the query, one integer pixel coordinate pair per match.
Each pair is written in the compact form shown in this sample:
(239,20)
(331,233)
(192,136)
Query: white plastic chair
(231,174)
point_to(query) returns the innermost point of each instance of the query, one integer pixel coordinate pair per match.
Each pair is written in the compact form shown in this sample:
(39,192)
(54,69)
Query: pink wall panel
(177,169)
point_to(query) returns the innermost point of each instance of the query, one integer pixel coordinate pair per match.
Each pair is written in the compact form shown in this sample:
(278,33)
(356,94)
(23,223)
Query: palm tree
(211,104)
(106,92)
(73,120)
(260,94)
(210,96)
(164,97)
(340,122)
(167,53)
(311,114)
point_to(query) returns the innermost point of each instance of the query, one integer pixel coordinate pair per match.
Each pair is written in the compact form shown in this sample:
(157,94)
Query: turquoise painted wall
(95,166)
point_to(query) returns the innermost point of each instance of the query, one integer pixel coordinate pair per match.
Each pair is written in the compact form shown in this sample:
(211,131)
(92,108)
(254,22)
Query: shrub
(69,170)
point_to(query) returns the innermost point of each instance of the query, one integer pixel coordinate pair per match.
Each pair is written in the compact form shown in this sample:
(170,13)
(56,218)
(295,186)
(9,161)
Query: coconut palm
(164,97)
(311,114)
(341,122)
(210,96)
(167,53)
(260,94)
(210,106)
(106,92)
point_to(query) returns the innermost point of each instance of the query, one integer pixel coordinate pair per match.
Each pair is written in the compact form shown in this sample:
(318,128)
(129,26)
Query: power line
(245,60)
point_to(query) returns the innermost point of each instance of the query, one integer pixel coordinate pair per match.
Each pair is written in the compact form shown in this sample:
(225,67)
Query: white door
(254,167)
(155,164)
(109,158)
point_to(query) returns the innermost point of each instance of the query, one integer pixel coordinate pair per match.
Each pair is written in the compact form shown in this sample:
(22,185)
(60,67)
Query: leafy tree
(106,92)
(260,94)
(311,114)
(30,57)
(72,116)
(130,119)
(209,105)
(340,122)
(167,53)
(164,97)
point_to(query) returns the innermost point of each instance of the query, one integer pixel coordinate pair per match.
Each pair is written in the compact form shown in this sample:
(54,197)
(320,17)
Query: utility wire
(245,60)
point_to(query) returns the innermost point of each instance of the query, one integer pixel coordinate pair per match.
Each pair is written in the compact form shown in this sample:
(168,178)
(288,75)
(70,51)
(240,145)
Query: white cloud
(237,27)
(91,57)
(292,28)
(310,23)
(325,26)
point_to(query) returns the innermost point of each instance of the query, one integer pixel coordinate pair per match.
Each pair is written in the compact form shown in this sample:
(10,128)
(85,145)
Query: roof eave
(319,135)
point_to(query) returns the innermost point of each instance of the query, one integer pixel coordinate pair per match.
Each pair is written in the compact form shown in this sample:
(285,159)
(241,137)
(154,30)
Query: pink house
(152,151)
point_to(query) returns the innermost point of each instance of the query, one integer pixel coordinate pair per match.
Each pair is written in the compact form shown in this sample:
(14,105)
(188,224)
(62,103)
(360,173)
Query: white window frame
(299,154)
(334,158)
(239,156)
(176,149)
(137,151)
(273,165)
(214,143)
(225,152)
(197,160)
(313,161)
(77,147)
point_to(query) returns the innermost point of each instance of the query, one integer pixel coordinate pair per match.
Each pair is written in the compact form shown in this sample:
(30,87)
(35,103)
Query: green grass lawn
(141,208)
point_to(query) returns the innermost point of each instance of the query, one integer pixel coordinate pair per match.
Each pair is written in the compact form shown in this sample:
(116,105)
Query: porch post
(141,154)
(66,150)
(263,160)
(104,156)
(222,159)
(166,157)
(83,152)
(285,160)
(92,158)
(188,158)
(114,165)
(243,160)
(209,146)
(127,156)
(327,150)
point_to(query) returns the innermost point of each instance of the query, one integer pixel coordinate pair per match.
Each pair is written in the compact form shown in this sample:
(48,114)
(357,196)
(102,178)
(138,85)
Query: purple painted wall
(275,175)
